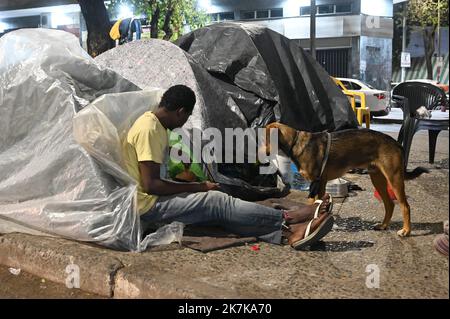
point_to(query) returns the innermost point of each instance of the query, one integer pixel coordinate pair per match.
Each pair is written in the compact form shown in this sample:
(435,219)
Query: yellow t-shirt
(146,140)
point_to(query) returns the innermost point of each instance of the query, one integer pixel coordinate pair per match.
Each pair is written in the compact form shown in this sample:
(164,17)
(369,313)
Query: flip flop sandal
(310,238)
(319,201)
(440,243)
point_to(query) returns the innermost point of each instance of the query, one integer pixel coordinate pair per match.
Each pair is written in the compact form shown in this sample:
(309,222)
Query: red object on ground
(255,247)
(390,192)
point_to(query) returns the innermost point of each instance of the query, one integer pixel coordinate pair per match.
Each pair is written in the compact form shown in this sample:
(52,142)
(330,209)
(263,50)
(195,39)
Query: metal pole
(439,28)
(405,10)
(312,31)
(439,42)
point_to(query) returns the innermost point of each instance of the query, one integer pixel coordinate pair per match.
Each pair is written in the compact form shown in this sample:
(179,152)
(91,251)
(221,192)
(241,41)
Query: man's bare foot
(307,233)
(306,213)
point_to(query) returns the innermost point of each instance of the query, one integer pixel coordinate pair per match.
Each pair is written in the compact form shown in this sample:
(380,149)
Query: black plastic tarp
(270,77)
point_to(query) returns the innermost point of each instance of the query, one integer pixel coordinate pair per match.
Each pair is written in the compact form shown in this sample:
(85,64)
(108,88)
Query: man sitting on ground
(163,201)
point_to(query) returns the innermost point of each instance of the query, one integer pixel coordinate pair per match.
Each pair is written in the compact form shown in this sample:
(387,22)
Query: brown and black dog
(379,153)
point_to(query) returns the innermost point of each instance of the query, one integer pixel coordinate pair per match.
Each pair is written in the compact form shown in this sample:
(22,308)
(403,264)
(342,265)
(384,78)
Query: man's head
(178,102)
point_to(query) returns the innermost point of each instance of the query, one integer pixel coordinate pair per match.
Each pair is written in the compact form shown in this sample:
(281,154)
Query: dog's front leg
(317,190)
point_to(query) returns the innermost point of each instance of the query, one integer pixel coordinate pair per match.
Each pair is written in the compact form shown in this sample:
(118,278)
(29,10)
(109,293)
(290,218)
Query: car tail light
(380,96)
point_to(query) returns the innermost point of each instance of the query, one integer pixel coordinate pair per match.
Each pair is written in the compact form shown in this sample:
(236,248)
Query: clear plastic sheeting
(60,161)
(165,235)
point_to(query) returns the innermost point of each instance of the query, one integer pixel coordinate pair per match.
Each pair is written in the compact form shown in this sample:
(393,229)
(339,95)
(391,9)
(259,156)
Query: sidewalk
(394,116)
(408,267)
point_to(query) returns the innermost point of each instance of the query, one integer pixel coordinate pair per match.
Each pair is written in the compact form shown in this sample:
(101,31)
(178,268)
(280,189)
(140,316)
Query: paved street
(77,76)
(25,285)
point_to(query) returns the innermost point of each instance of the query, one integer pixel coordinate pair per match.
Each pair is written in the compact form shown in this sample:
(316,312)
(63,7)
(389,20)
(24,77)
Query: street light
(125,12)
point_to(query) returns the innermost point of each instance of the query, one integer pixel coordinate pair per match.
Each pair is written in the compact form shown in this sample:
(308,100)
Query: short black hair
(178,96)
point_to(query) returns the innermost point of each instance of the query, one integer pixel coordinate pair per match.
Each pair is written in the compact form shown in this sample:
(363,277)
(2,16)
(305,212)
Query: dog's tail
(415,173)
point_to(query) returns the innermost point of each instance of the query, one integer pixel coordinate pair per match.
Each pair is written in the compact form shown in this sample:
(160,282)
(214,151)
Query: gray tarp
(270,77)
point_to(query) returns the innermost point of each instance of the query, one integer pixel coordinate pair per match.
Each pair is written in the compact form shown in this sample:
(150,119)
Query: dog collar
(327,152)
(314,186)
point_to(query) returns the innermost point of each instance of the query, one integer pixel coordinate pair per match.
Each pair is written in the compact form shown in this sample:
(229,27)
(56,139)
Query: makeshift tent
(49,183)
(270,77)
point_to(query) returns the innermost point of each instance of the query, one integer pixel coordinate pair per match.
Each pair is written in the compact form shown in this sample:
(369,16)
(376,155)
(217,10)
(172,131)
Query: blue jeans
(215,208)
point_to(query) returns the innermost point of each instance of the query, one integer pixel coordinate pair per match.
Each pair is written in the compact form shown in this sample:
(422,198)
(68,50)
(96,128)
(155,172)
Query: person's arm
(153,184)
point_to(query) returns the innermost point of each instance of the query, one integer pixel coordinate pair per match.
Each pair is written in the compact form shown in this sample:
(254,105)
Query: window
(325,9)
(247,15)
(347,85)
(262,14)
(305,11)
(276,13)
(222,16)
(344,8)
(356,86)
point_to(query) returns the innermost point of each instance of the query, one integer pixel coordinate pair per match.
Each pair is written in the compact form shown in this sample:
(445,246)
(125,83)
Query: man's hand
(208,186)
(154,185)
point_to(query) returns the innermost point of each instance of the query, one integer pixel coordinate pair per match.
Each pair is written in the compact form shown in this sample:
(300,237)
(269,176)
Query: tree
(98,26)
(424,13)
(167,17)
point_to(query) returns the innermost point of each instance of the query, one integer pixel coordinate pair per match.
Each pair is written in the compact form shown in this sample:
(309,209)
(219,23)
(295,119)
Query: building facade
(56,14)
(353,37)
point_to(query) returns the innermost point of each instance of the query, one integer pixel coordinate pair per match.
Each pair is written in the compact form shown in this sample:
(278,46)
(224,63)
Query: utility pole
(405,11)
(439,28)
(439,61)
(312,30)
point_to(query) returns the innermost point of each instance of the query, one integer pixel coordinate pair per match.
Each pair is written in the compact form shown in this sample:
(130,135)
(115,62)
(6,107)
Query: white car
(376,100)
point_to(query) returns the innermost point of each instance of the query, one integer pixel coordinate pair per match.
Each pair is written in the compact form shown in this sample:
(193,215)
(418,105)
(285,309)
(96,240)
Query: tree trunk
(428,40)
(166,27)
(98,26)
(154,22)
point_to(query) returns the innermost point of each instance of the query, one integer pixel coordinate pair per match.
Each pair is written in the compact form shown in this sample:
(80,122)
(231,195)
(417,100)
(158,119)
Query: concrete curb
(100,273)
(48,258)
(147,281)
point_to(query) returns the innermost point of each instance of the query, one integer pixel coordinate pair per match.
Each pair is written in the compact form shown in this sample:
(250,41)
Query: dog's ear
(272,125)
(285,133)
(268,128)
